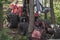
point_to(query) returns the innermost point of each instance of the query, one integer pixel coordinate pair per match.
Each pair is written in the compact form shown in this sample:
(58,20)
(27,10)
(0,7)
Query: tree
(31,16)
(52,12)
(1,15)
(45,1)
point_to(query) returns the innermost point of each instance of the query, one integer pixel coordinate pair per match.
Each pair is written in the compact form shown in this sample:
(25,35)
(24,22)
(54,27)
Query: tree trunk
(31,16)
(45,12)
(52,12)
(1,16)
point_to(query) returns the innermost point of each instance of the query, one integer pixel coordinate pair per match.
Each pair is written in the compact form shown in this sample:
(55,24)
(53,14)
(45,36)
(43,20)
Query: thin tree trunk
(1,16)
(52,12)
(31,17)
(45,12)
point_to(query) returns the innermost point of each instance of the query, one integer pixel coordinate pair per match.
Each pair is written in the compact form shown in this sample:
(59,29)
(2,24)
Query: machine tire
(13,20)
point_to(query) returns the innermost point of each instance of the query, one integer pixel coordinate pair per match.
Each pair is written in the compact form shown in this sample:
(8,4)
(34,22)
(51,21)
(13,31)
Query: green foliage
(57,12)
(4,36)
(4,1)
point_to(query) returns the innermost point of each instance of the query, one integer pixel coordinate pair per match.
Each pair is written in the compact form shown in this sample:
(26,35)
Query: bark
(52,12)
(45,12)
(1,16)
(31,16)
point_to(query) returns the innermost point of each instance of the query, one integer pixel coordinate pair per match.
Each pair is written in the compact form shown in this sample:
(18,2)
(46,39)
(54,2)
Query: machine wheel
(13,20)
(22,28)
